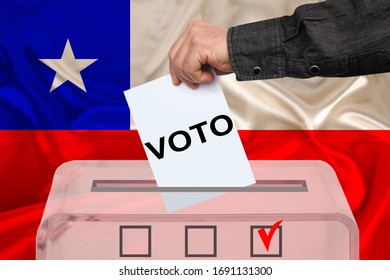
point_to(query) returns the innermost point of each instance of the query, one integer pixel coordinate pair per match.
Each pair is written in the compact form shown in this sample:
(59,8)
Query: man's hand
(200,47)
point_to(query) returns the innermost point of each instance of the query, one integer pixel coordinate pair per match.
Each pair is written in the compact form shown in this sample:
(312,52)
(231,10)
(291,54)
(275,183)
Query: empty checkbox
(200,241)
(135,241)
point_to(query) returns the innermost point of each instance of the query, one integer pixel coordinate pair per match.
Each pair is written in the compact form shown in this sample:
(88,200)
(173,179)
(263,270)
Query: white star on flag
(68,68)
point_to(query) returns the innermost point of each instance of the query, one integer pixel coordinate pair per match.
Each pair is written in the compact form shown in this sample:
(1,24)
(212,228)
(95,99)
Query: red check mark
(266,238)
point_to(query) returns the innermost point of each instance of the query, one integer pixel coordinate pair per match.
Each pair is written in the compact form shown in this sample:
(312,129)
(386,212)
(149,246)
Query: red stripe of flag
(29,159)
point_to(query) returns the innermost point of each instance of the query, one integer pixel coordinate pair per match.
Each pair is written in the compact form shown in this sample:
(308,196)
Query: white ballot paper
(188,135)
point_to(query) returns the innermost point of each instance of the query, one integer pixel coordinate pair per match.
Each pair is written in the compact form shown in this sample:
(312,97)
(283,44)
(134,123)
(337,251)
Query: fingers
(175,80)
(175,63)
(188,56)
(184,69)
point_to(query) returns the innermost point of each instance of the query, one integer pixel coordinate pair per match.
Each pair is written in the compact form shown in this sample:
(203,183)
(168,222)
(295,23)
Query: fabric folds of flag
(46,120)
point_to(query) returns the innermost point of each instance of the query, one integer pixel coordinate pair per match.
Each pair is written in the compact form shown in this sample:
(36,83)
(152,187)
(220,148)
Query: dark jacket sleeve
(335,38)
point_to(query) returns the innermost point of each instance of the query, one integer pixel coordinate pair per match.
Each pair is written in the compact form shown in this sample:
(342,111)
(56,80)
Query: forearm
(331,38)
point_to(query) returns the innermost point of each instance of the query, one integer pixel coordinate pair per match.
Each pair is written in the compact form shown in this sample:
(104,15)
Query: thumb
(207,77)
(202,76)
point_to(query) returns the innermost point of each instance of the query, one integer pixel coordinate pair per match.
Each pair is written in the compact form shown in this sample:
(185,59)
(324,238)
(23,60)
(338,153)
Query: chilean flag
(65,64)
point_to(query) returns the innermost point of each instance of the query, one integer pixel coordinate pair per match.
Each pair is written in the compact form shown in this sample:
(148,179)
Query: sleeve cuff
(255,50)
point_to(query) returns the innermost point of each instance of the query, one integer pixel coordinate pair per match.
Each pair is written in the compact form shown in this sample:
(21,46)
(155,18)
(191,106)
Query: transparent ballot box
(114,210)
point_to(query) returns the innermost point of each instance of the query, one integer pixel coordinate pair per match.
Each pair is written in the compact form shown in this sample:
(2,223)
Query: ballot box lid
(128,187)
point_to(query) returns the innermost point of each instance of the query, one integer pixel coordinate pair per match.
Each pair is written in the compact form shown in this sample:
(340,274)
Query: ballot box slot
(151,186)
